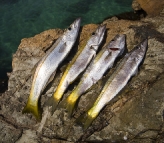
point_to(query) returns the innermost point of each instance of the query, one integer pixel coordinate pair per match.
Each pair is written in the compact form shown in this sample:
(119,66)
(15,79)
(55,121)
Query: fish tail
(85,120)
(32,107)
(70,102)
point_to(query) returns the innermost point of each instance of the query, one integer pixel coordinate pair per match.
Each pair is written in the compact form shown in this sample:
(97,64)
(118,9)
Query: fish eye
(69,28)
(93,33)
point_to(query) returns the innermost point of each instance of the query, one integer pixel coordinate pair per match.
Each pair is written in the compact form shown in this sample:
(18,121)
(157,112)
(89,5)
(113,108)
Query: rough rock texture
(135,115)
(135,5)
(152,7)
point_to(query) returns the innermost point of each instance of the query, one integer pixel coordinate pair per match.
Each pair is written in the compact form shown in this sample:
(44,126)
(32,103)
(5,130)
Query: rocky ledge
(135,115)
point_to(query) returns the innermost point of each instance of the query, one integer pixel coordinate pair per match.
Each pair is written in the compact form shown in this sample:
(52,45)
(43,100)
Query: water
(25,18)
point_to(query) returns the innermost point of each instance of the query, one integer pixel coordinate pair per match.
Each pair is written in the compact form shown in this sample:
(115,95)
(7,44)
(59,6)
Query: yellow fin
(70,102)
(32,108)
(85,120)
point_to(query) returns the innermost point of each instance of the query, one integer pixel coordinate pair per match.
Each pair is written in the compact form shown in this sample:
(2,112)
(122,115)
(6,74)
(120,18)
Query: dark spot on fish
(62,48)
(108,56)
(69,28)
(82,64)
(93,80)
(114,49)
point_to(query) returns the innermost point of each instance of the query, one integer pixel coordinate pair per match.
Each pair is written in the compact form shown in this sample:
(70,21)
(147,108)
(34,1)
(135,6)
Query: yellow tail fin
(70,102)
(32,107)
(85,120)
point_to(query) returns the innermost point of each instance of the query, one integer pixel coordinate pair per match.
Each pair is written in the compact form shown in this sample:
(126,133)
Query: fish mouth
(142,47)
(144,43)
(117,43)
(121,37)
(77,23)
(101,29)
(100,32)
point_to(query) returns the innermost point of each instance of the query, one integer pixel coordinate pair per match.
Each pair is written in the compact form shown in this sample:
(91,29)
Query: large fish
(48,65)
(78,65)
(103,61)
(126,69)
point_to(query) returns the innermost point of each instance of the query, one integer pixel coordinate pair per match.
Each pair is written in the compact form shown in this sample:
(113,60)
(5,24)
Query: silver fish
(103,61)
(78,65)
(48,65)
(126,69)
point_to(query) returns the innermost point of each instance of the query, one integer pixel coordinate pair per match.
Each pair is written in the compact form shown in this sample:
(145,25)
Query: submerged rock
(135,115)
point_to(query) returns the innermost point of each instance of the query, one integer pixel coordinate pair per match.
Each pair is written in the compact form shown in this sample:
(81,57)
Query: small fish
(47,66)
(126,69)
(77,65)
(103,61)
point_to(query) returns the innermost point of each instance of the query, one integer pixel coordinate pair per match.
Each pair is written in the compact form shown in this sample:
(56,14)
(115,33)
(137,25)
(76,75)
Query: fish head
(117,44)
(97,37)
(71,32)
(140,50)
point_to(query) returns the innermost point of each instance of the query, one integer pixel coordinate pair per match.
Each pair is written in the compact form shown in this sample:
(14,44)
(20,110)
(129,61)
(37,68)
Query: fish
(47,66)
(77,65)
(100,64)
(127,68)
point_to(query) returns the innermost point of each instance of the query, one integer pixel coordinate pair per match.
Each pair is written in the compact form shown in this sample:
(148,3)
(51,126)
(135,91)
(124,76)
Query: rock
(9,132)
(28,136)
(135,115)
(152,7)
(135,5)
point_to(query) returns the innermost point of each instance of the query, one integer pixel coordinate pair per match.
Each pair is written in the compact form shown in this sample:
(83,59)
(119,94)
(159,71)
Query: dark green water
(25,18)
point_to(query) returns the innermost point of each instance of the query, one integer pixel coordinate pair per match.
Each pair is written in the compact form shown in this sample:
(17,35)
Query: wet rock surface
(135,115)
